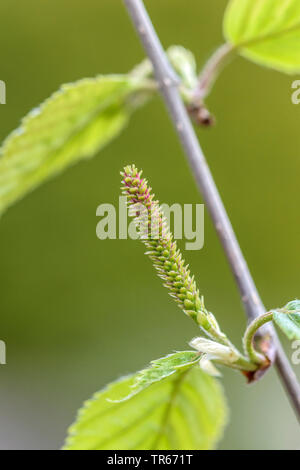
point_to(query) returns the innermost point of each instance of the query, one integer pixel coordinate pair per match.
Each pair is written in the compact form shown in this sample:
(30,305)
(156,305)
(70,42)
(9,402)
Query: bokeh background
(77,312)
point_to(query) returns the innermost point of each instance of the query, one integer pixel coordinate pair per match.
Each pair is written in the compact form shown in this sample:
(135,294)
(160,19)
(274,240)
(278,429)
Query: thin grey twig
(168,82)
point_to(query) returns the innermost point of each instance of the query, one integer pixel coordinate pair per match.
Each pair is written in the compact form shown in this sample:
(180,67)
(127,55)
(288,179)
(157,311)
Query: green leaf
(293,306)
(266,31)
(164,367)
(289,324)
(171,405)
(184,64)
(74,123)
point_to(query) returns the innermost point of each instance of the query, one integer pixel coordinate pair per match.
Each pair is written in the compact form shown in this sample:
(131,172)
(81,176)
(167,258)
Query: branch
(168,83)
(249,335)
(212,69)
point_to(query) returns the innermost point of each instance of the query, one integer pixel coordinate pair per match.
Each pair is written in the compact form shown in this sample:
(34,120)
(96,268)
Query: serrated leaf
(266,31)
(74,123)
(164,367)
(181,410)
(288,323)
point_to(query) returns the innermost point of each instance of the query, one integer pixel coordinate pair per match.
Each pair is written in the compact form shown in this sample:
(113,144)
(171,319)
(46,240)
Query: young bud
(215,350)
(207,366)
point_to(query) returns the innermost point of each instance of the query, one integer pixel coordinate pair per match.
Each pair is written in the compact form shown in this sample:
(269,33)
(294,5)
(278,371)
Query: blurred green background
(77,312)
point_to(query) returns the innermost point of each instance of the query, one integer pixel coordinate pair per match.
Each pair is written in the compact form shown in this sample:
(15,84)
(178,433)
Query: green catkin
(163,251)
